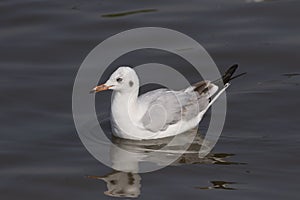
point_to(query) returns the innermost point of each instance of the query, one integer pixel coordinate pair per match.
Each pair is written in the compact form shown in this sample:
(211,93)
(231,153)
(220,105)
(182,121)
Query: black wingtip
(231,69)
(229,74)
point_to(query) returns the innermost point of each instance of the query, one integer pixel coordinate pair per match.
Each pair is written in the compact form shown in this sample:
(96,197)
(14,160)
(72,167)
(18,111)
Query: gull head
(124,79)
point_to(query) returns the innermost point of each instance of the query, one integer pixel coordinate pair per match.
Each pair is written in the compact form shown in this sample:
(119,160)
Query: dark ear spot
(130,83)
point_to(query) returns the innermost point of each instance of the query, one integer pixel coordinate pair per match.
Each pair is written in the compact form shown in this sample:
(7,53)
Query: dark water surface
(43,43)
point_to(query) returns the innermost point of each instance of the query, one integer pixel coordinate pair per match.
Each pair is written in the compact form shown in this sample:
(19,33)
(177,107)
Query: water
(43,44)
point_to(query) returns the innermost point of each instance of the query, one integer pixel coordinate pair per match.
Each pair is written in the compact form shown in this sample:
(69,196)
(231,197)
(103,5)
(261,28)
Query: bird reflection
(218,185)
(125,181)
(121,184)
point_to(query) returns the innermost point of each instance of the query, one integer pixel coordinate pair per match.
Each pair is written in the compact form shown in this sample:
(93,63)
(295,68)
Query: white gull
(159,113)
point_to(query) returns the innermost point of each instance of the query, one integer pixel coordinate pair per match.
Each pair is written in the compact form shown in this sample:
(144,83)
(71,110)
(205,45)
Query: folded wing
(166,107)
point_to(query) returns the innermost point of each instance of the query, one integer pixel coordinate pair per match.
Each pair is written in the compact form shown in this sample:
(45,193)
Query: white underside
(138,133)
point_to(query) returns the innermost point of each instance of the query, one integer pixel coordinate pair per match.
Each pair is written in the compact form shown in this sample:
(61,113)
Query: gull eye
(119,80)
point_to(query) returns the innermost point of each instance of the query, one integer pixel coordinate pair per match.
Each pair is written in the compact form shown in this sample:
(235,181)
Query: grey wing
(152,95)
(166,107)
(169,107)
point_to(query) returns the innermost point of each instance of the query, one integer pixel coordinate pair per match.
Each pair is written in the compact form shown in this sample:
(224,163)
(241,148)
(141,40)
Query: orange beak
(100,88)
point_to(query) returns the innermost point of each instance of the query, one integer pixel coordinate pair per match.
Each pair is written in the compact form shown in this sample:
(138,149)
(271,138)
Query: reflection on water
(121,184)
(218,185)
(126,182)
(122,14)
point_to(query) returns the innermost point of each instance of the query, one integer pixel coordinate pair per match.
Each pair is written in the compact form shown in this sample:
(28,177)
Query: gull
(162,112)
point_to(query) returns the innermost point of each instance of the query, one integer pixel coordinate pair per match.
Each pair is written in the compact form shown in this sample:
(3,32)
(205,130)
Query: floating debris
(121,14)
(290,75)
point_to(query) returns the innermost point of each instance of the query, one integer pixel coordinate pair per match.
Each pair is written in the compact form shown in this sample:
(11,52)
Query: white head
(124,79)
